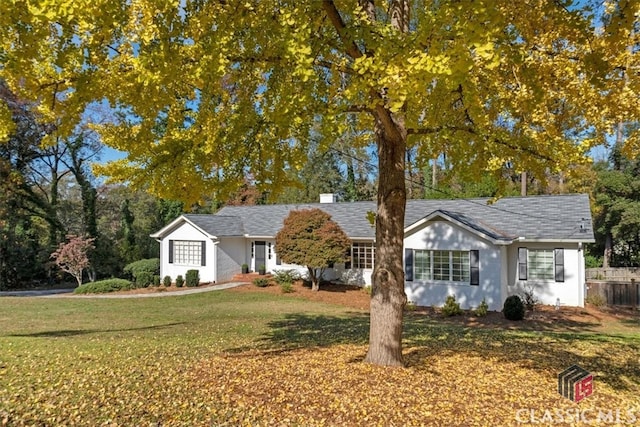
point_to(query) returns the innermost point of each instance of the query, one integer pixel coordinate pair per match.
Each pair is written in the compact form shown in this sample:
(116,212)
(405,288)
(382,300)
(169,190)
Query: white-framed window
(451,266)
(541,264)
(187,252)
(362,255)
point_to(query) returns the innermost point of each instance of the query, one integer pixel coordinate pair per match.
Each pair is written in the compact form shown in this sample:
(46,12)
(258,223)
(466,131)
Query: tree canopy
(208,90)
(311,238)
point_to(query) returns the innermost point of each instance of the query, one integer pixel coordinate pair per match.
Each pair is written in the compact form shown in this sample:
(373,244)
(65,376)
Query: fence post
(634,289)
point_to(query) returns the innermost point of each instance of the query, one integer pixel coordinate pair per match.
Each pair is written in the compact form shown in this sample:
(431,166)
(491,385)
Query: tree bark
(315,280)
(388,297)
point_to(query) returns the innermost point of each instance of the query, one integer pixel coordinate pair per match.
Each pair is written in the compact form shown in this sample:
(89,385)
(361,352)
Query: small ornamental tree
(72,256)
(311,238)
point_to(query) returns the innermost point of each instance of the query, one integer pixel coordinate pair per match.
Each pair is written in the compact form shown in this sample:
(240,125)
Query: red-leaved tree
(72,256)
(311,238)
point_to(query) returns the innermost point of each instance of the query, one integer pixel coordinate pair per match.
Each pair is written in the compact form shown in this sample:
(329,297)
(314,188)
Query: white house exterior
(467,248)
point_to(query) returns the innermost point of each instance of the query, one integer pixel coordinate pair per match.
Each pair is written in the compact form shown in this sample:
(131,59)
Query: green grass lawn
(225,358)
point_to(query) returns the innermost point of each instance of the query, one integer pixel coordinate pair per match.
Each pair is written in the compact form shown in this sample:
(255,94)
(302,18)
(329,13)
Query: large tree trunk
(388,297)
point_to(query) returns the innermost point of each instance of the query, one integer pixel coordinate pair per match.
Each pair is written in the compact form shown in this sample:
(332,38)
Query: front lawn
(252,358)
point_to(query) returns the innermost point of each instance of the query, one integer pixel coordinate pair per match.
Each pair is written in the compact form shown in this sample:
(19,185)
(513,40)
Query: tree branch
(472,131)
(334,16)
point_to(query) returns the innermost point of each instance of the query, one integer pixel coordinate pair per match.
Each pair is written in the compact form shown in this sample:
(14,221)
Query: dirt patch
(332,293)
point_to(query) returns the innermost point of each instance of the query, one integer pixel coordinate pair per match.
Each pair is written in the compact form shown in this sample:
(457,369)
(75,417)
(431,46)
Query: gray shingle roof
(218,225)
(553,217)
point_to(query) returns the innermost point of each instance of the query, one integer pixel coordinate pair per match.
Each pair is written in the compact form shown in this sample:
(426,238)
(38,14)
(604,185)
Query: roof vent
(327,198)
(583,225)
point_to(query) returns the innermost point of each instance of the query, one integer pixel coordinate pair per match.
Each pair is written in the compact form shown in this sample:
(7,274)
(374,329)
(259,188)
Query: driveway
(68,293)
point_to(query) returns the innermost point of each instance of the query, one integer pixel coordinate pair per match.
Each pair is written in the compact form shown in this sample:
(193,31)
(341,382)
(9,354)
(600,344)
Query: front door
(260,254)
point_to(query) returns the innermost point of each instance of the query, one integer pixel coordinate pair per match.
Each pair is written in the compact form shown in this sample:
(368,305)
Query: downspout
(582,283)
(160,257)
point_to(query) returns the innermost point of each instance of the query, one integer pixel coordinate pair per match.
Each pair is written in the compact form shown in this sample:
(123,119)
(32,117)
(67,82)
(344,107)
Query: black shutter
(474,267)
(522,263)
(170,251)
(203,254)
(408,265)
(559,264)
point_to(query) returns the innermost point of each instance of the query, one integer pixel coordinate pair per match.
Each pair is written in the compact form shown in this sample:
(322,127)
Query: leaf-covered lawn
(226,358)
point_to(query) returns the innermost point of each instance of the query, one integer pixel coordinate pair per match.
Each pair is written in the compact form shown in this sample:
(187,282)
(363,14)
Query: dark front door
(260,254)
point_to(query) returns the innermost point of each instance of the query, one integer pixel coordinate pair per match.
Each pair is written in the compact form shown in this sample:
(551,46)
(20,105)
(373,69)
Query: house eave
(526,240)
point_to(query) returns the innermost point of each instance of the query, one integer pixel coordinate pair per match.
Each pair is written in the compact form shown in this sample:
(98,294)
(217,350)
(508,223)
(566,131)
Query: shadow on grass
(79,332)
(610,357)
(299,330)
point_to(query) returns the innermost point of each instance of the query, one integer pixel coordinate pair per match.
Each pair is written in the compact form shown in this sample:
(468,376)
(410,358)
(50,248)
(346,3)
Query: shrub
(596,300)
(166,281)
(286,276)
(144,279)
(103,286)
(513,308)
(482,309)
(261,282)
(451,307)
(156,280)
(193,278)
(151,266)
(286,288)
(529,299)
(179,281)
(410,306)
(591,261)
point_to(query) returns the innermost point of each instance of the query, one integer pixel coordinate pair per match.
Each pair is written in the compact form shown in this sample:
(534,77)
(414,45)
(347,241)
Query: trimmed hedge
(144,279)
(513,308)
(192,278)
(103,286)
(150,266)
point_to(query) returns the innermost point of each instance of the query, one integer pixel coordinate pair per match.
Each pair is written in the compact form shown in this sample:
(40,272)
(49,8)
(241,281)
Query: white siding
(570,292)
(440,235)
(230,255)
(187,232)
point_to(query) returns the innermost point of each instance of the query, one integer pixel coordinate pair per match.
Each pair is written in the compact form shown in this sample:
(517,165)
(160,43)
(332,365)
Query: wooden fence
(614,274)
(616,293)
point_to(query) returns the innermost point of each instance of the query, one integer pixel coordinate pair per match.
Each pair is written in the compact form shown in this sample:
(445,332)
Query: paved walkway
(68,293)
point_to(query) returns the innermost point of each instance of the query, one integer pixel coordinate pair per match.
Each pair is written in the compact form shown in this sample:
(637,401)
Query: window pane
(441,265)
(422,265)
(540,264)
(187,252)
(362,255)
(460,266)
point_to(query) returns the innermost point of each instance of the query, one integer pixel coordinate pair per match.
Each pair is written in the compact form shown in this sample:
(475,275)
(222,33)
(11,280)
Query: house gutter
(579,242)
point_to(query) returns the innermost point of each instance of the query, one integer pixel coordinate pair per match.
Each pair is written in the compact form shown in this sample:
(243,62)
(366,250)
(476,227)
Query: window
(541,264)
(187,252)
(440,265)
(362,255)
(422,267)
